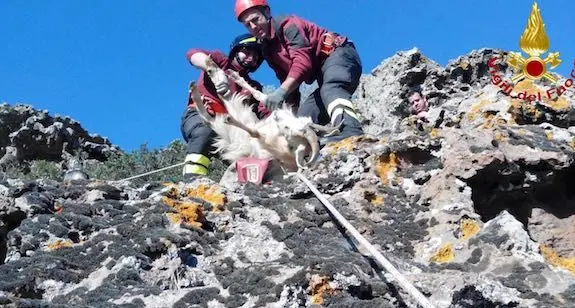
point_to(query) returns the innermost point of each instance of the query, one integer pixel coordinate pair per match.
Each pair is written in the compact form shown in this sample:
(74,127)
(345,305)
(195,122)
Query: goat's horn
(328,130)
(313,141)
(300,157)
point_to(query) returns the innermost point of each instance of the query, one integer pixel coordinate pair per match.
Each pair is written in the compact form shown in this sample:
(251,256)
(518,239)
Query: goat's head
(301,135)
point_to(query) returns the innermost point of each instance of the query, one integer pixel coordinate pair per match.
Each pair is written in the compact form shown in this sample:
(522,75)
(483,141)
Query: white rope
(151,172)
(423,301)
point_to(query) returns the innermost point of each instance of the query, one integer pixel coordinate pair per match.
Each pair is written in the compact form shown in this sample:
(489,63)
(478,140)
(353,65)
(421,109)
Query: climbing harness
(327,44)
(423,301)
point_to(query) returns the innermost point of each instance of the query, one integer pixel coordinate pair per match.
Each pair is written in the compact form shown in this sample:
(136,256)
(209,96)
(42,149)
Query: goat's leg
(211,69)
(235,77)
(232,121)
(197,99)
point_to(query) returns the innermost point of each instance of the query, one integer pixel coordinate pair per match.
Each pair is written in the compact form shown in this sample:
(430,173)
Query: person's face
(418,103)
(256,22)
(248,57)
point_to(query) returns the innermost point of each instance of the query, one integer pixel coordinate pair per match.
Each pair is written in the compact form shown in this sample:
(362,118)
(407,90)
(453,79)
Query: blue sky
(119,67)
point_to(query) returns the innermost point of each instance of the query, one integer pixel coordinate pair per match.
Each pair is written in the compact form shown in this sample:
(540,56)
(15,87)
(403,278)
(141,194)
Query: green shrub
(119,166)
(37,169)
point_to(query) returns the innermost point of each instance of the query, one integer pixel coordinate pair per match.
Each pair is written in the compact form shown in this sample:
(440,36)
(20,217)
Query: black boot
(350,127)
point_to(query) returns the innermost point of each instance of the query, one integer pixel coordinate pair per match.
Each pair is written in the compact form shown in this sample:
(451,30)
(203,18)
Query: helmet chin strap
(243,64)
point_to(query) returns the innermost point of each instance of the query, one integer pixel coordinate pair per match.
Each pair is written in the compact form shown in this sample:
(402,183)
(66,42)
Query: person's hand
(274,99)
(220,81)
(422,115)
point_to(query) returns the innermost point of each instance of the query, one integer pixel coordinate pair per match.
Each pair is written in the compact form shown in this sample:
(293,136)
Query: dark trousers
(338,79)
(198,136)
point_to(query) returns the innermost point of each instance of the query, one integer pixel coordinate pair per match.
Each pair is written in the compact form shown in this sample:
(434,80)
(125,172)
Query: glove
(220,81)
(274,99)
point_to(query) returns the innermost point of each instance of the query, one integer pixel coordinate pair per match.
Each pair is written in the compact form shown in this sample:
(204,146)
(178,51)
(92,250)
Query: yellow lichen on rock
(526,85)
(318,287)
(476,109)
(386,167)
(560,104)
(173,192)
(59,244)
(521,110)
(347,144)
(208,193)
(377,201)
(468,228)
(444,254)
(373,198)
(489,121)
(554,259)
(532,111)
(498,135)
(492,120)
(186,212)
(530,88)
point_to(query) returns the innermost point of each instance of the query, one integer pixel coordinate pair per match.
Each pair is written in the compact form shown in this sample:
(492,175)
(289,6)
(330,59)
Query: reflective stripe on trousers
(196,164)
(338,106)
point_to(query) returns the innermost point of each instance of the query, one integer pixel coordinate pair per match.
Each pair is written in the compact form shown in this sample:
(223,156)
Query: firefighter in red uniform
(244,57)
(301,51)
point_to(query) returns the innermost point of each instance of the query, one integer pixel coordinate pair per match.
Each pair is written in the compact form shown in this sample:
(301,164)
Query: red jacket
(207,88)
(294,49)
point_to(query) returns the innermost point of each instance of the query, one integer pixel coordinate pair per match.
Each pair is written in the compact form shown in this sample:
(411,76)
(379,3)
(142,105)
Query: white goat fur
(277,132)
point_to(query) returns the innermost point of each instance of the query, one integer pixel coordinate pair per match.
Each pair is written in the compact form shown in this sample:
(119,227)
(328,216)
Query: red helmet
(243,5)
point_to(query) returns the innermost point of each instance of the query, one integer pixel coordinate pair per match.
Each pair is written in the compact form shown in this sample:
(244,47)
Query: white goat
(281,136)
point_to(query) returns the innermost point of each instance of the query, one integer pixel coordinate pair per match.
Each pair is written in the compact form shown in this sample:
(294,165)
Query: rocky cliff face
(474,207)
(29,134)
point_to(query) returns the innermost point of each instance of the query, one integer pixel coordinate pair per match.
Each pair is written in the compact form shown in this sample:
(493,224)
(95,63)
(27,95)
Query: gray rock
(475,210)
(28,134)
(75,175)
